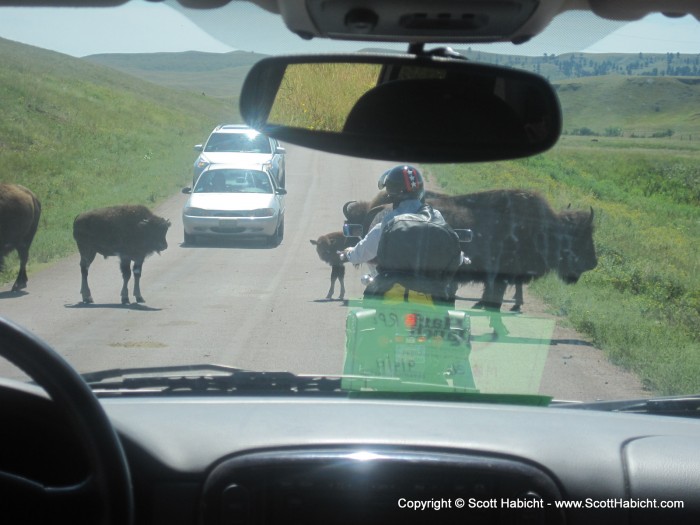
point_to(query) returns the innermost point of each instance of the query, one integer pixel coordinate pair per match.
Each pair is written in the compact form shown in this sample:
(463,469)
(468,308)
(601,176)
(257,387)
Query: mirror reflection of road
(245,305)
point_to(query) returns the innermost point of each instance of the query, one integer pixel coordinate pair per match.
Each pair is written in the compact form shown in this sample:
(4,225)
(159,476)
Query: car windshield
(233,181)
(577,270)
(238,142)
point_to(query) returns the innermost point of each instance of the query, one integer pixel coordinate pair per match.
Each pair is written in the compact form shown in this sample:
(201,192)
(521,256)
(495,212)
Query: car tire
(275,239)
(190,238)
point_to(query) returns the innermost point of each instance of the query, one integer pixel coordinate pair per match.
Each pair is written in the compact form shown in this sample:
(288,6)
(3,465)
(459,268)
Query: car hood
(231,201)
(223,157)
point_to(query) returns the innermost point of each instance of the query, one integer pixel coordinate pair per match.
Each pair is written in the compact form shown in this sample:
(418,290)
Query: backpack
(420,251)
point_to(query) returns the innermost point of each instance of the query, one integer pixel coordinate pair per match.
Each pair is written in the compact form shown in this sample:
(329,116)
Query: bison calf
(130,232)
(327,247)
(19,219)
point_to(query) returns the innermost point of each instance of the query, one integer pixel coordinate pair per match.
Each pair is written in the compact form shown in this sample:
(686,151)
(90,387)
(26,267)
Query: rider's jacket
(366,250)
(432,278)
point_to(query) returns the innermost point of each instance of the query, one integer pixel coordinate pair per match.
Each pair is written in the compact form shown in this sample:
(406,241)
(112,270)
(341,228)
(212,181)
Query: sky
(157,27)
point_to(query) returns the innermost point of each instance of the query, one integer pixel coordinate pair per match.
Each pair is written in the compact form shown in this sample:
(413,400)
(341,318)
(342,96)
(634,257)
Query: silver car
(234,143)
(235,200)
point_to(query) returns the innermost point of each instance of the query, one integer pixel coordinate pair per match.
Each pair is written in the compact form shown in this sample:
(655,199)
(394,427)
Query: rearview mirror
(402,108)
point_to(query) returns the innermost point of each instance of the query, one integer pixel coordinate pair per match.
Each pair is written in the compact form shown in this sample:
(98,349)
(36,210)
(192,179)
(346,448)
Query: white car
(234,200)
(233,143)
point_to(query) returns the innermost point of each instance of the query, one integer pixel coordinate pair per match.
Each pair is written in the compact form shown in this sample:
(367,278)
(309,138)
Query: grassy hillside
(610,105)
(82,136)
(211,74)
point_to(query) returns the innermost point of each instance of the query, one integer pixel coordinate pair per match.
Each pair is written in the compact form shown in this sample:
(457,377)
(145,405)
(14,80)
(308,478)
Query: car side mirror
(280,150)
(187,190)
(352,230)
(199,147)
(465,235)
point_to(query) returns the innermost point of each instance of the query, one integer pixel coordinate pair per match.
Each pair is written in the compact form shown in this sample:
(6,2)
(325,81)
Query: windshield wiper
(205,379)
(680,406)
(210,379)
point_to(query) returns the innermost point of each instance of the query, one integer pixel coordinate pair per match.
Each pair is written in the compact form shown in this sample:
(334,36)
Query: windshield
(238,142)
(576,272)
(233,181)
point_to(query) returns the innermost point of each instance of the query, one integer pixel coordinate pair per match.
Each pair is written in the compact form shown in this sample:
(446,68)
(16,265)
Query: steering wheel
(109,481)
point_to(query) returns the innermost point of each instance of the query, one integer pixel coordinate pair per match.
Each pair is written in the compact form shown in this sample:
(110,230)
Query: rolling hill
(211,74)
(631,106)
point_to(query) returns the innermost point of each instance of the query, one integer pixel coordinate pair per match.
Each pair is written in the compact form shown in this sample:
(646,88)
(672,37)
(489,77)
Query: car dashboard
(257,460)
(253,459)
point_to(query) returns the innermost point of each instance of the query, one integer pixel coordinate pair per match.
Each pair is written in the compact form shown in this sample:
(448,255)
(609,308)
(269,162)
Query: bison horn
(345,208)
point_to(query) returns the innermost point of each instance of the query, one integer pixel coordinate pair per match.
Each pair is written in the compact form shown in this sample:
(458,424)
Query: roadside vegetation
(83,136)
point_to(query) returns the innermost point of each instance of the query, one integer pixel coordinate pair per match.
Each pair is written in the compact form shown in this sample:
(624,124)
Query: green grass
(83,136)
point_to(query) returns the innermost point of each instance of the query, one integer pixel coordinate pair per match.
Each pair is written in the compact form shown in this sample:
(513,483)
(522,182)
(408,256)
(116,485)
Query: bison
(327,247)
(517,237)
(20,211)
(130,232)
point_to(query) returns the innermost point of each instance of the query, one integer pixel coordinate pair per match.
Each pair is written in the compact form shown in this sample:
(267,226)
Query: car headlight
(263,212)
(195,212)
(201,163)
(267,165)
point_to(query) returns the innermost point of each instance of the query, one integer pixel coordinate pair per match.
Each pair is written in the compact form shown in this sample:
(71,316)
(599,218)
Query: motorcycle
(404,341)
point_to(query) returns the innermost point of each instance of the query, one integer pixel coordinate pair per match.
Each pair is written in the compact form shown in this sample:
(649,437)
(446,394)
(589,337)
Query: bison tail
(37,216)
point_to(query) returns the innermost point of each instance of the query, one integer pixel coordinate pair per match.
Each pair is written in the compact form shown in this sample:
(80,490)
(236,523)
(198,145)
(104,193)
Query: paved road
(246,305)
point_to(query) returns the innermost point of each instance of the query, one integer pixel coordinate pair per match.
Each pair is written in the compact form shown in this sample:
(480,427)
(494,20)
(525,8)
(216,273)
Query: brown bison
(130,232)
(19,219)
(327,247)
(517,237)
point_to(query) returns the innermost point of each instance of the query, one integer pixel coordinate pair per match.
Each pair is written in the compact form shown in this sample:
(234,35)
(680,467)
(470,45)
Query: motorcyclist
(405,189)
